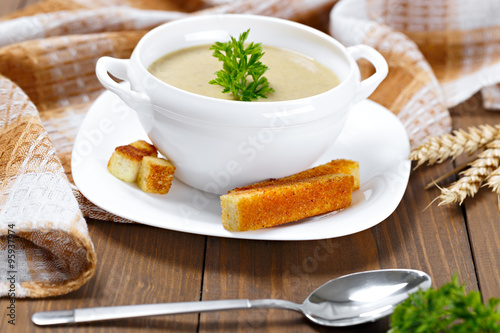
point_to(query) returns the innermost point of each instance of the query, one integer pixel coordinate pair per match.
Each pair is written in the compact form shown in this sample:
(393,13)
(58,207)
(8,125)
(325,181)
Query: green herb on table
(242,71)
(446,309)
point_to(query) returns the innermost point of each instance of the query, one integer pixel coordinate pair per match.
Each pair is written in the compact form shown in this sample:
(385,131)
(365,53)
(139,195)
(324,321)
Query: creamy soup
(290,74)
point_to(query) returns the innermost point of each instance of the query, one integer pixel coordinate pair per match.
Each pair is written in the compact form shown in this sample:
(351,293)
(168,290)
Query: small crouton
(125,162)
(145,147)
(155,175)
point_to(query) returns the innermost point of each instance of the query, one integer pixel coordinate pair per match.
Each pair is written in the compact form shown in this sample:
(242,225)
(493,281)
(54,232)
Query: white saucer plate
(373,136)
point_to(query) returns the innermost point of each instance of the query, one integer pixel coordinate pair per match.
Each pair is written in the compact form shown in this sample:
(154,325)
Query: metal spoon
(348,300)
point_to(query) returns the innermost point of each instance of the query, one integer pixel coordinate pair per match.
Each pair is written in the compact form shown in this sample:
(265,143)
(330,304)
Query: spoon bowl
(362,297)
(348,300)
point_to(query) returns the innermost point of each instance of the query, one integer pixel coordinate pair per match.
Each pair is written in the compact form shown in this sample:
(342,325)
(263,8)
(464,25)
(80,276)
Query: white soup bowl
(217,145)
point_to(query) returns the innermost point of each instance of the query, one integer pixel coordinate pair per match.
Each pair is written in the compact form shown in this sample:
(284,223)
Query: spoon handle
(144,310)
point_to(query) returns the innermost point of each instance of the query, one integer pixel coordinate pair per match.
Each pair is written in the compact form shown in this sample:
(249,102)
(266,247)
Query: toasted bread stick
(279,203)
(336,166)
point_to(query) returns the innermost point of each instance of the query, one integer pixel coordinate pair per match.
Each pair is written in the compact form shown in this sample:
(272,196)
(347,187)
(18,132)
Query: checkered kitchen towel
(440,52)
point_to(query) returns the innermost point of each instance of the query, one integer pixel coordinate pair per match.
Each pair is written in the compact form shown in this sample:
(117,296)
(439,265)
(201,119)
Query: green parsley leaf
(446,309)
(242,71)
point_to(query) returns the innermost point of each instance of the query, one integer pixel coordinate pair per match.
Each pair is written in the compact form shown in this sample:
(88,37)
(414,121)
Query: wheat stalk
(493,181)
(439,148)
(471,179)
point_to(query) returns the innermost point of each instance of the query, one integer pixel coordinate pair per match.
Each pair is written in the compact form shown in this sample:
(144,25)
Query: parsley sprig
(242,71)
(446,309)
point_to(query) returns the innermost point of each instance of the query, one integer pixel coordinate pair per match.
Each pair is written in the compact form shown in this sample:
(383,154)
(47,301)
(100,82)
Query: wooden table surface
(140,264)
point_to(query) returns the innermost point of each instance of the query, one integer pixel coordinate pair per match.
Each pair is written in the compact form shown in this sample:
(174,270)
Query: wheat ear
(471,179)
(493,181)
(439,148)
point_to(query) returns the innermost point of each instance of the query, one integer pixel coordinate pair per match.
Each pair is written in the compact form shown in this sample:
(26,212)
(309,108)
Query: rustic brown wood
(140,264)
(433,239)
(427,236)
(482,212)
(284,270)
(136,265)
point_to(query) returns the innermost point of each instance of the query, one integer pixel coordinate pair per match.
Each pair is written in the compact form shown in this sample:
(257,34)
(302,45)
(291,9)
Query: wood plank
(432,239)
(140,264)
(483,212)
(426,236)
(283,270)
(137,264)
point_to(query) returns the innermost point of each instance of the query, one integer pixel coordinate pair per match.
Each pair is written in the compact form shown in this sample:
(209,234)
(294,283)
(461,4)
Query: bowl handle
(368,85)
(105,66)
